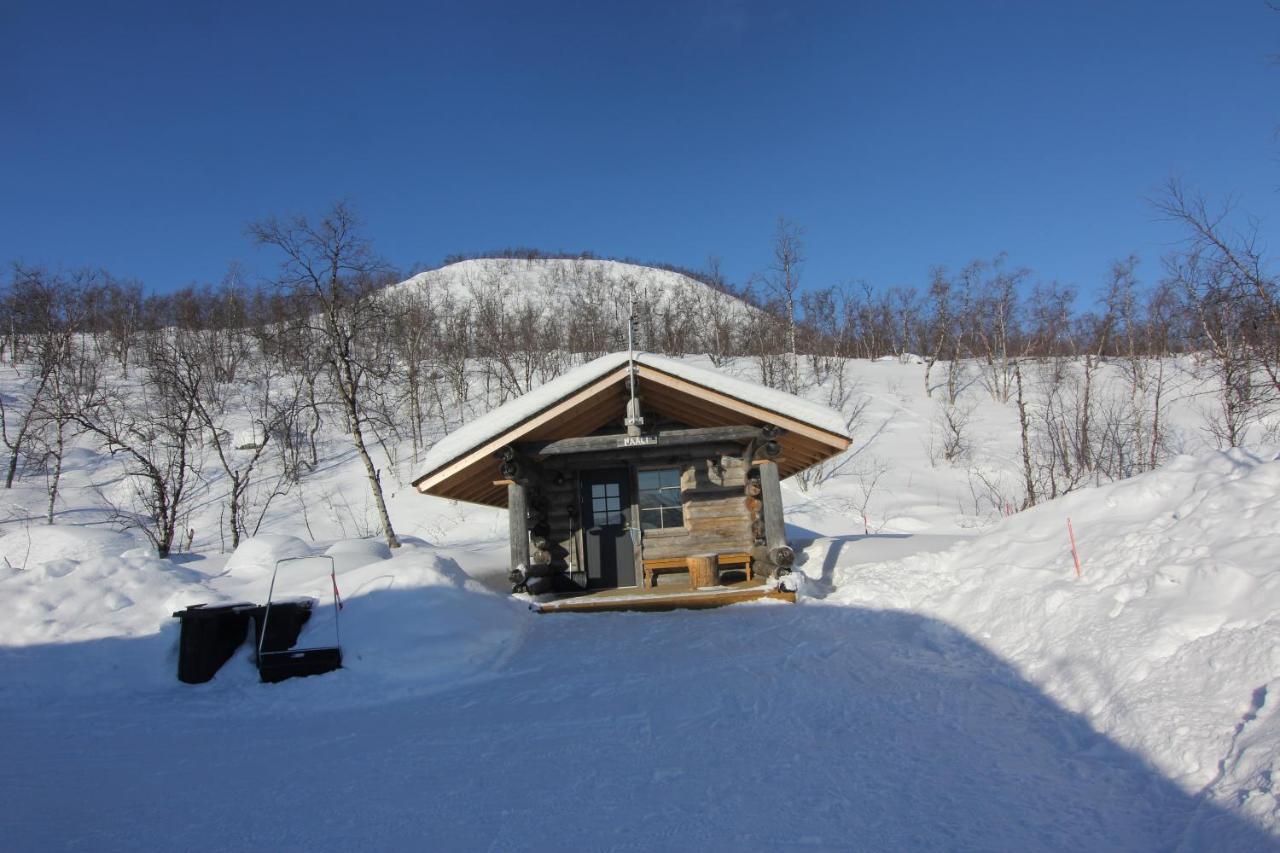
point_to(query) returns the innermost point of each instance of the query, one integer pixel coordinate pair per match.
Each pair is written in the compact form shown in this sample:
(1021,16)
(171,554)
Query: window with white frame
(659,500)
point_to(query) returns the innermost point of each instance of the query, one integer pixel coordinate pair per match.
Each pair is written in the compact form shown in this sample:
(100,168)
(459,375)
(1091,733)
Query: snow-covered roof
(511,415)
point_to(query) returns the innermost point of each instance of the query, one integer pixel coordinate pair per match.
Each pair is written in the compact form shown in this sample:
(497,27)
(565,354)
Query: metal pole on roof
(631,342)
(634,421)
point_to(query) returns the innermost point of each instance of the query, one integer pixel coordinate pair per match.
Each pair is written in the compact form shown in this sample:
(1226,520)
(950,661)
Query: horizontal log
(545,570)
(729,537)
(711,492)
(537,586)
(643,456)
(718,527)
(622,441)
(668,550)
(722,508)
(561,519)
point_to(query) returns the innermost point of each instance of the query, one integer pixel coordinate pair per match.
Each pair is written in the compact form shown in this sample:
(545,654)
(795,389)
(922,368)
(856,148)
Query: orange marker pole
(1074,553)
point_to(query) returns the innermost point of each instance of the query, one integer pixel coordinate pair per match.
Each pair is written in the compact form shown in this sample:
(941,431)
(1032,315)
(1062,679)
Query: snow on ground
(1170,639)
(945,683)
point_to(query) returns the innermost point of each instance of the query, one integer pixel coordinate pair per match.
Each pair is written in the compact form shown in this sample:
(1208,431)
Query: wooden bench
(652,568)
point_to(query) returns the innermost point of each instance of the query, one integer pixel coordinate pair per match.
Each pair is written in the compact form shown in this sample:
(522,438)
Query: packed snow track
(761,727)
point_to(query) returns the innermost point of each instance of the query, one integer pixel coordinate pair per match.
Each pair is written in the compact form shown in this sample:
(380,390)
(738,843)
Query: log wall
(562,522)
(717,513)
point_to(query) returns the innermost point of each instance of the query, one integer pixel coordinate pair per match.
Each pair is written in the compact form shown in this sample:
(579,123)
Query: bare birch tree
(332,263)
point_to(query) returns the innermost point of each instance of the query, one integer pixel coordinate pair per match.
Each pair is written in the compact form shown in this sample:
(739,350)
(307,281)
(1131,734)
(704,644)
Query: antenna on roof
(634,420)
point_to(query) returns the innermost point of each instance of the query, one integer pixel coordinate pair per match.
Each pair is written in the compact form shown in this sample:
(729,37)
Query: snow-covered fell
(554,284)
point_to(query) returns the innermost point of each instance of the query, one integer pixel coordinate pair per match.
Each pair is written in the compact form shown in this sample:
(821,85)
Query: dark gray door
(606,512)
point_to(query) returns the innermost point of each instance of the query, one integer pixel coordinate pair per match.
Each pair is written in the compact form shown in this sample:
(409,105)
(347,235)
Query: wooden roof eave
(838,443)
(546,416)
(804,444)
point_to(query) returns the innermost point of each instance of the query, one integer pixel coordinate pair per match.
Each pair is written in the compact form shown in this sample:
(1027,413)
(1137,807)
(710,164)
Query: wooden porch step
(699,599)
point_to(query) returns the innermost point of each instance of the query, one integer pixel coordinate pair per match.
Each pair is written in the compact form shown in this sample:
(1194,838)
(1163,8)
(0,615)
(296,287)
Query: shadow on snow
(751,727)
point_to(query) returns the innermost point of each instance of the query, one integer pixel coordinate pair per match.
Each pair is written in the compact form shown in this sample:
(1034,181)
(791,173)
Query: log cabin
(638,481)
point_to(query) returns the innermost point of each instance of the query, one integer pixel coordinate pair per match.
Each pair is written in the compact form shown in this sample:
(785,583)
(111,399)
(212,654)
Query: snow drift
(1170,640)
(92,615)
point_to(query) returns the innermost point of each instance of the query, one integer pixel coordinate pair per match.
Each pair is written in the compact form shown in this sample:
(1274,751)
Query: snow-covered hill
(555,285)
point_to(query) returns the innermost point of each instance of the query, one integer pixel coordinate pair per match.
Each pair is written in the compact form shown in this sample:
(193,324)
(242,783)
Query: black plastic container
(295,663)
(210,636)
(278,659)
(283,625)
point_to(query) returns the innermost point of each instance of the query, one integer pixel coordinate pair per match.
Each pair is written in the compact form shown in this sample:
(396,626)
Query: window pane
(650,519)
(673,517)
(647,480)
(669,497)
(670,477)
(611,490)
(597,490)
(614,518)
(612,503)
(649,499)
(597,505)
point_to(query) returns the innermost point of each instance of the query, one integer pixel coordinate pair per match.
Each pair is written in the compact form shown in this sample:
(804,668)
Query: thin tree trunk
(1027,472)
(234,506)
(57,476)
(375,482)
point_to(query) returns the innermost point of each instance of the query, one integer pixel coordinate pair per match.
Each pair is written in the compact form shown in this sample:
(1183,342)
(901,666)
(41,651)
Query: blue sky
(900,135)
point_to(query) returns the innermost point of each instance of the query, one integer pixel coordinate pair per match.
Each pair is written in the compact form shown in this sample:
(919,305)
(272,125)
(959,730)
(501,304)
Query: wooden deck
(661,598)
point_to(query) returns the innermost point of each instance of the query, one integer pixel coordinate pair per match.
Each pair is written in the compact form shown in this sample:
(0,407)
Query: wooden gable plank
(750,409)
(516,433)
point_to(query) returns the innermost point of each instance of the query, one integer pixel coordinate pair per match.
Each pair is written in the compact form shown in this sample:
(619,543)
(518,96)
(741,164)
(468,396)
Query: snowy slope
(1170,639)
(946,682)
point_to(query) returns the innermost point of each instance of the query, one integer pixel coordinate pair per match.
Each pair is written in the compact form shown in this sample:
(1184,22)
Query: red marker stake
(1075,555)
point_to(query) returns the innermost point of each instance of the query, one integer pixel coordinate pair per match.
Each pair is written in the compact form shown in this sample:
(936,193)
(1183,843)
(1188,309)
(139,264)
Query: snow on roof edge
(511,414)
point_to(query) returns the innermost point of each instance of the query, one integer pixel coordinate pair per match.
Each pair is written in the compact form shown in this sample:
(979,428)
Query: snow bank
(90,613)
(259,554)
(42,544)
(352,553)
(1169,642)
(521,409)
(417,622)
(103,624)
(412,624)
